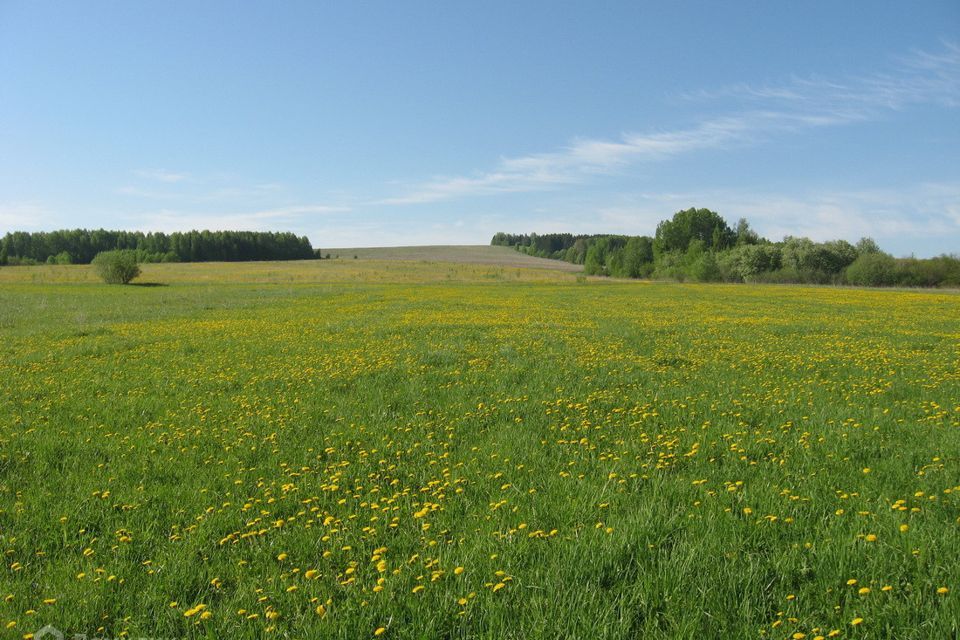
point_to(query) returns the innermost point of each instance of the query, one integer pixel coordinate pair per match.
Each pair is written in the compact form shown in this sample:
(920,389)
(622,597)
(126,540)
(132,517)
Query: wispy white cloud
(920,77)
(288,217)
(166,185)
(162,175)
(579,160)
(265,190)
(926,211)
(153,194)
(760,112)
(26,216)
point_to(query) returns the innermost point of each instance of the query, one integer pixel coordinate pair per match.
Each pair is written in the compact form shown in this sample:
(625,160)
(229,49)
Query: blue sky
(388,123)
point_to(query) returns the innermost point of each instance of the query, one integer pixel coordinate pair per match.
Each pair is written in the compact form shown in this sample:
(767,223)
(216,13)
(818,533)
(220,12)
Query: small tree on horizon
(117,267)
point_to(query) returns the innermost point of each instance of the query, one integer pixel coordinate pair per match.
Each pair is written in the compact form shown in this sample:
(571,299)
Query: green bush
(705,268)
(941,271)
(117,267)
(872,270)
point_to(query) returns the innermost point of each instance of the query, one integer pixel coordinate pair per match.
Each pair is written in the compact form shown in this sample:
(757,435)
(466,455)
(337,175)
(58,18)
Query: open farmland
(474,254)
(351,448)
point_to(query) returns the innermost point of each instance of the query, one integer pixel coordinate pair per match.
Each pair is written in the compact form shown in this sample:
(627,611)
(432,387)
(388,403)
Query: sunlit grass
(328,449)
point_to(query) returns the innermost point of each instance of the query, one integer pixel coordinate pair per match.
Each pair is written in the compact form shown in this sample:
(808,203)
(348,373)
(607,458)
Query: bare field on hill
(473,254)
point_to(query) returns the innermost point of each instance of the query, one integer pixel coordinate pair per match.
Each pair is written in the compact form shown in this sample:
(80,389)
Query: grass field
(390,265)
(352,448)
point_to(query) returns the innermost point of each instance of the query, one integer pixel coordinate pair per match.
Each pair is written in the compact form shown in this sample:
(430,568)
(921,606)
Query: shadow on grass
(149,284)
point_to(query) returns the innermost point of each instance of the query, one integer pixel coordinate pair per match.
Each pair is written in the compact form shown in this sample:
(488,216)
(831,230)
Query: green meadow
(437,449)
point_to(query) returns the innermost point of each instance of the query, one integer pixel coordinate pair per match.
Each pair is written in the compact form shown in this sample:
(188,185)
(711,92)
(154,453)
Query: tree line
(80,246)
(699,245)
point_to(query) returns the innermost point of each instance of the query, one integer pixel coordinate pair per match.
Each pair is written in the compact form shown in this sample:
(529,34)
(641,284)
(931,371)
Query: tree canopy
(81,245)
(698,244)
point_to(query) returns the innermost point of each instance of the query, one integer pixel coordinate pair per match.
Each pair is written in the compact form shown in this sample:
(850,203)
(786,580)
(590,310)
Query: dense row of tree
(81,245)
(698,244)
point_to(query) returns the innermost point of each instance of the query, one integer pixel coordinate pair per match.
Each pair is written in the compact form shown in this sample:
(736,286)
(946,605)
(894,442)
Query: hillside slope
(471,254)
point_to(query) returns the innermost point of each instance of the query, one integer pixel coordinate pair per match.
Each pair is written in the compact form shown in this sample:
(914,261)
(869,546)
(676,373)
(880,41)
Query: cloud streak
(802,104)
(162,175)
(580,160)
(170,220)
(24,216)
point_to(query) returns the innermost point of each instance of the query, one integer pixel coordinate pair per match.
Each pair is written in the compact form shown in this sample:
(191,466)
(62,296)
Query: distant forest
(79,246)
(698,245)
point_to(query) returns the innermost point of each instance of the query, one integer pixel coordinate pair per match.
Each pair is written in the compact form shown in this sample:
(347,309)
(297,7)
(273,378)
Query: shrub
(941,271)
(744,262)
(116,267)
(705,268)
(872,270)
